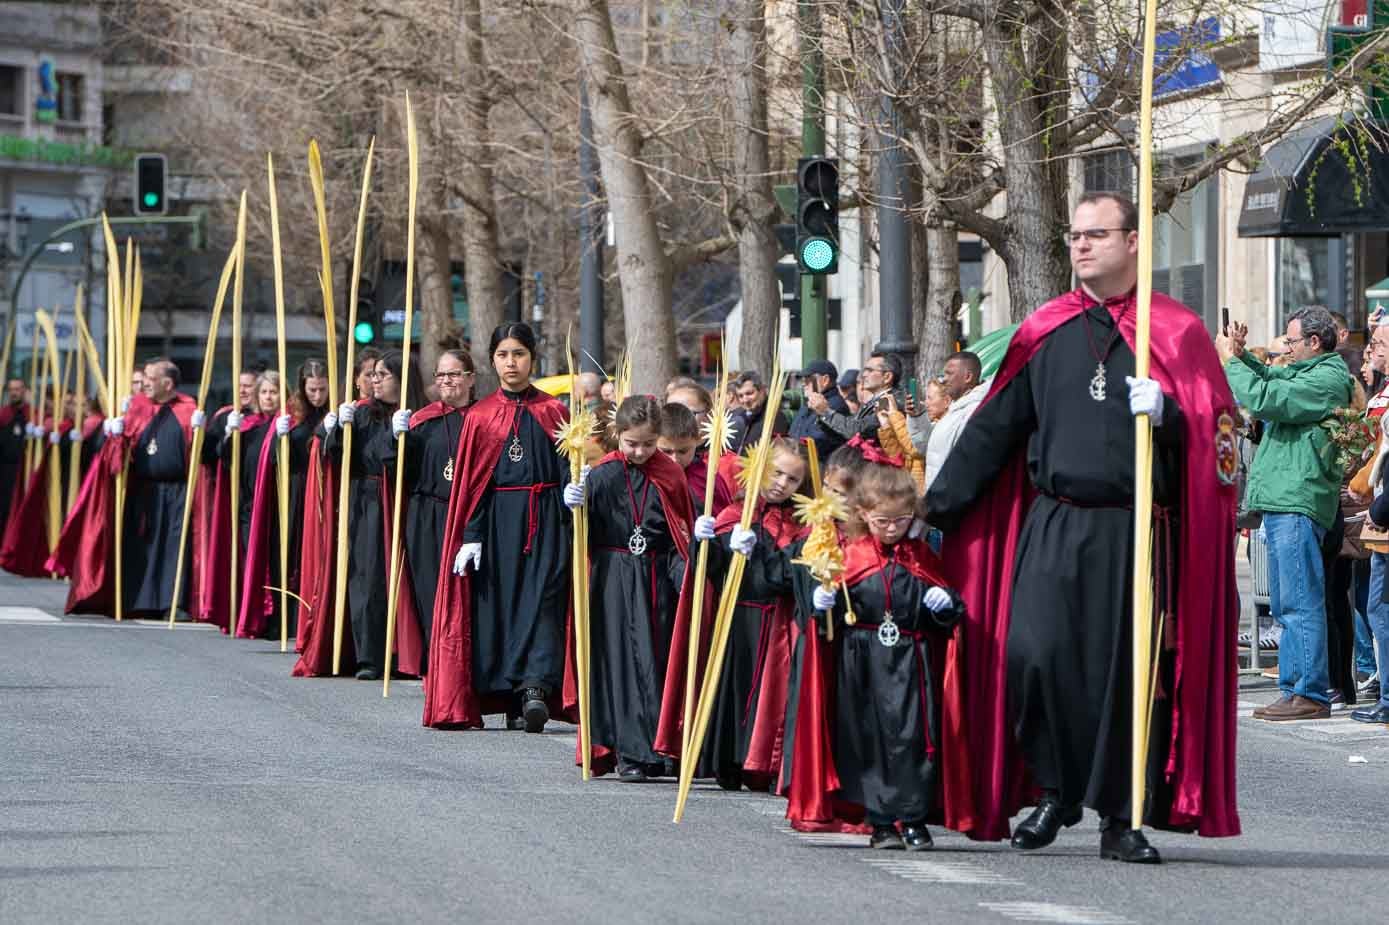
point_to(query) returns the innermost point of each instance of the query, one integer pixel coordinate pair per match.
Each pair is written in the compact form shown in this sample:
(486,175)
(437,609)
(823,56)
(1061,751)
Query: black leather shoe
(1041,828)
(916,837)
(1121,843)
(1375,714)
(629,772)
(534,710)
(885,838)
(368,674)
(730,777)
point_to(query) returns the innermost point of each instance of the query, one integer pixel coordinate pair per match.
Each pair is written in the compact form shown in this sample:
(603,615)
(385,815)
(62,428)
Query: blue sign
(1194,71)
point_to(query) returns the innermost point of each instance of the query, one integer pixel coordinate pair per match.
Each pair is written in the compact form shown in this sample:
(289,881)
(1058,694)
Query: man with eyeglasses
(880,377)
(1038,493)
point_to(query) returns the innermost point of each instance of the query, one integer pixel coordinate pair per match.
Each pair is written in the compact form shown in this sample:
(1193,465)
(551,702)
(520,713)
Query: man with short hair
(819,378)
(14,419)
(1353,356)
(748,419)
(961,379)
(880,377)
(1296,485)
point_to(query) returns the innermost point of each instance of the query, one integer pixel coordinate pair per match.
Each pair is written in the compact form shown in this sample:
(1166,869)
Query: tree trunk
(1030,99)
(435,318)
(755,212)
(942,297)
(643,267)
(481,257)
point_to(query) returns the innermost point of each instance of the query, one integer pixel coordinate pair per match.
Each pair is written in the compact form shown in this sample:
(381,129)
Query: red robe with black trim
(24,549)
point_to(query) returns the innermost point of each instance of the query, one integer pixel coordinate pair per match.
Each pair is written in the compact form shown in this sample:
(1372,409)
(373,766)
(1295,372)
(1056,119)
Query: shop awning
(1306,184)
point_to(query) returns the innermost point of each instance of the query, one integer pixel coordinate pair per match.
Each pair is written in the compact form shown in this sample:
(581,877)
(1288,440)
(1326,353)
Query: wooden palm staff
(396,559)
(93,362)
(66,381)
(129,316)
(754,475)
(1143,669)
(235,496)
(570,442)
(349,394)
(718,433)
(54,471)
(199,434)
(33,405)
(282,442)
(115,313)
(79,413)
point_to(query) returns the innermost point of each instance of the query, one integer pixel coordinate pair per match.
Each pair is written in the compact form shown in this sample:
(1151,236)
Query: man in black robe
(1069,639)
(156,486)
(14,418)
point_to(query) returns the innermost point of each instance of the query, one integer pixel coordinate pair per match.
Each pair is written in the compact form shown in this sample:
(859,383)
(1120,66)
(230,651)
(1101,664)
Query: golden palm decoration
(756,461)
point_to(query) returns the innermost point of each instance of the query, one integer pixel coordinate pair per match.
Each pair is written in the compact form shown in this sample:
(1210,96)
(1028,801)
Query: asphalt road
(177,776)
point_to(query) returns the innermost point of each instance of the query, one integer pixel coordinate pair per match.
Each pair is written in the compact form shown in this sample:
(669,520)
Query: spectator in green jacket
(1295,482)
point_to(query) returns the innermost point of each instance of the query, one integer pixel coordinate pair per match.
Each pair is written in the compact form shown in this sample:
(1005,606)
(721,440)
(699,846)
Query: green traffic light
(817,254)
(151,200)
(363,332)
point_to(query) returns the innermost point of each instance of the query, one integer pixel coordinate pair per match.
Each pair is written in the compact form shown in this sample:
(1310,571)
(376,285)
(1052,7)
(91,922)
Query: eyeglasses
(875,369)
(1090,234)
(378,374)
(444,377)
(1293,341)
(882,523)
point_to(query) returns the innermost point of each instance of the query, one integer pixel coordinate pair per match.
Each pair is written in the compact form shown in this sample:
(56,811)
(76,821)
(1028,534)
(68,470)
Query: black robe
(631,609)
(367,598)
(252,444)
(155,490)
(12,443)
(1069,649)
(886,725)
(521,591)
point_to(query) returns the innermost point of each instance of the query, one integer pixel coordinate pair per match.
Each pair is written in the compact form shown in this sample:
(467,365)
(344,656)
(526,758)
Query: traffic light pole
(814,342)
(591,242)
(894,225)
(62,232)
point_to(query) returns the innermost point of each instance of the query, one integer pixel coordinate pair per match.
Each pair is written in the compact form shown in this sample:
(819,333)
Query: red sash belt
(532,507)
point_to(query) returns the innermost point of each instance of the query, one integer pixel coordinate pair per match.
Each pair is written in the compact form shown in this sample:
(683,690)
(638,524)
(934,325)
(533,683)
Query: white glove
(742,540)
(75,434)
(574,495)
(282,424)
(233,421)
(125,404)
(400,422)
(704,527)
(198,419)
(29,431)
(346,411)
(330,422)
(468,552)
(917,530)
(39,431)
(115,426)
(55,438)
(938,599)
(1145,397)
(822,598)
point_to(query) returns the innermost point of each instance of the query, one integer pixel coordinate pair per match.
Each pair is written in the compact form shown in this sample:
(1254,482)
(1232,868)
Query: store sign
(1294,31)
(1194,70)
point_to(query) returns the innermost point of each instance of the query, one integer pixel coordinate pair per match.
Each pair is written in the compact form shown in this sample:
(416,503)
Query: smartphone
(911,390)
(1225,321)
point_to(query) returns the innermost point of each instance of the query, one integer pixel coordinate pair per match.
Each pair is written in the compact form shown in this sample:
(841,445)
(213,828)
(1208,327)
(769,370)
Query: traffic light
(150,173)
(364,333)
(817,215)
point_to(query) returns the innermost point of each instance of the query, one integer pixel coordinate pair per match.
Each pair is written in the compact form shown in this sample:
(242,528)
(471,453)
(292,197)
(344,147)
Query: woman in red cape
(1196,782)
(501,611)
(24,550)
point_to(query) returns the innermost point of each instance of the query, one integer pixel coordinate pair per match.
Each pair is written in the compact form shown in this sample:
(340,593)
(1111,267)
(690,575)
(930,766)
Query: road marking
(25,615)
(930,870)
(1056,913)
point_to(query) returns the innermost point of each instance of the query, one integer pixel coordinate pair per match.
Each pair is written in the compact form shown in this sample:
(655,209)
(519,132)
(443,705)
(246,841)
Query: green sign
(63,153)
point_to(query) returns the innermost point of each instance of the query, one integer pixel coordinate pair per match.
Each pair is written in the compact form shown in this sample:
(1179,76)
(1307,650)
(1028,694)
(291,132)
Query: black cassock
(1069,648)
(252,443)
(886,718)
(521,590)
(155,488)
(768,578)
(366,525)
(12,444)
(631,609)
(430,448)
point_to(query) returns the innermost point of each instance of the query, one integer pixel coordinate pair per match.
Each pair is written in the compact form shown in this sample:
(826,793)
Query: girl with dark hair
(431,442)
(257,429)
(639,541)
(498,641)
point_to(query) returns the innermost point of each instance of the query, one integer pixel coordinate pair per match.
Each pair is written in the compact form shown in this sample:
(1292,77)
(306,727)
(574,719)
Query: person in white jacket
(966,391)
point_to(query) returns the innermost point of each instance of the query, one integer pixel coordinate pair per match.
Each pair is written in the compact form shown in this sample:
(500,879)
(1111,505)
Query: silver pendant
(888,633)
(18,431)
(152,448)
(448,471)
(636,543)
(1098,384)
(516,452)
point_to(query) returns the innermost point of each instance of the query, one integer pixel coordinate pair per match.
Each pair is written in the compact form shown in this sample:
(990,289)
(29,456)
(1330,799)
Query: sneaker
(1336,699)
(1368,689)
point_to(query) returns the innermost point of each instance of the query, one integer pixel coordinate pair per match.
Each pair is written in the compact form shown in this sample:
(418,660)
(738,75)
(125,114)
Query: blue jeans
(1364,637)
(1378,612)
(1297,597)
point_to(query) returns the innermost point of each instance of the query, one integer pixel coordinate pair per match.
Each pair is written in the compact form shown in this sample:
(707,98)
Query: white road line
(25,615)
(1055,913)
(931,870)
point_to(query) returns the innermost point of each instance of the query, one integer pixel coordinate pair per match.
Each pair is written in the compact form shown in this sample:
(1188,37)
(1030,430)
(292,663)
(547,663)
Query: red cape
(86,548)
(318,572)
(449,698)
(980,557)
(678,507)
(24,549)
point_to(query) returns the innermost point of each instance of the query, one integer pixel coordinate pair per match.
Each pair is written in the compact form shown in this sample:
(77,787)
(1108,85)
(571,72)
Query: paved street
(157,776)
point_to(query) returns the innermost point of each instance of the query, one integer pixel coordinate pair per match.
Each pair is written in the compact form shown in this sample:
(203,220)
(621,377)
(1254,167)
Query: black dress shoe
(730,777)
(534,710)
(1375,714)
(630,772)
(916,837)
(1041,828)
(368,674)
(1121,843)
(885,838)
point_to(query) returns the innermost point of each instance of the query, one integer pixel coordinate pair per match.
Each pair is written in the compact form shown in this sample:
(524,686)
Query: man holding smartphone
(819,380)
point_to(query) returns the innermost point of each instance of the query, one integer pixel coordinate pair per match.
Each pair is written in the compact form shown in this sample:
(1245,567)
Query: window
(71,96)
(1109,172)
(11,91)
(1310,272)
